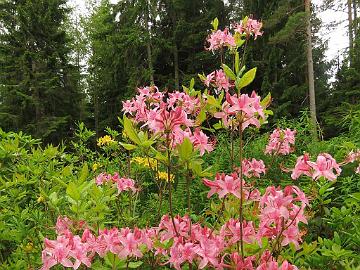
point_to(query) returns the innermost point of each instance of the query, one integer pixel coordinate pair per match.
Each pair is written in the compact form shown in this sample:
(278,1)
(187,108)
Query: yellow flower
(40,199)
(105,140)
(164,176)
(29,247)
(95,166)
(145,162)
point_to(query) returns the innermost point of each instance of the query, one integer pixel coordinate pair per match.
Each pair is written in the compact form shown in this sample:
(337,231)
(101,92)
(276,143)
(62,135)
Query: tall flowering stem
(169,182)
(241,218)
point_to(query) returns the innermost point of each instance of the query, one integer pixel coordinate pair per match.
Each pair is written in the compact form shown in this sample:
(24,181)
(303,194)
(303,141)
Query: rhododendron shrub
(168,133)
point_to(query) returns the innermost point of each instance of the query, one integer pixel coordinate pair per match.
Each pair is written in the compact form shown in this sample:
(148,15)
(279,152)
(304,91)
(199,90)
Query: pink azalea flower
(281,142)
(130,245)
(220,39)
(253,167)
(201,142)
(246,109)
(324,166)
(302,166)
(242,263)
(250,28)
(224,185)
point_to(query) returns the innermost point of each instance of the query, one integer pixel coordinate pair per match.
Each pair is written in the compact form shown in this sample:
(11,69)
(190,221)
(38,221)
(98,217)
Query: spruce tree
(38,86)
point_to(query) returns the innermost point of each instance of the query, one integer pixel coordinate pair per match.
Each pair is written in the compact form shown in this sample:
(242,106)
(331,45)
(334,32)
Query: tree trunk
(176,66)
(310,66)
(350,25)
(148,44)
(355,25)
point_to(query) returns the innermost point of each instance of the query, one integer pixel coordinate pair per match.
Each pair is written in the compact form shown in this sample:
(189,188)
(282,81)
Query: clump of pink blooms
(281,211)
(249,27)
(170,116)
(253,167)
(122,183)
(325,166)
(219,80)
(281,142)
(243,110)
(224,185)
(352,157)
(220,39)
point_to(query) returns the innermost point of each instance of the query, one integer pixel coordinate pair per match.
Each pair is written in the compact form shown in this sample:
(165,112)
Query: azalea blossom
(325,166)
(220,39)
(253,167)
(250,27)
(243,110)
(302,166)
(281,142)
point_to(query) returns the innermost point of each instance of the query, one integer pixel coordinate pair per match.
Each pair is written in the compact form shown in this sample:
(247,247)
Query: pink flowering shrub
(251,227)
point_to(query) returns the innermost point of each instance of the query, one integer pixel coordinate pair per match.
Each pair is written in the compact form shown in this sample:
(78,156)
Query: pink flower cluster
(325,166)
(191,243)
(122,184)
(220,39)
(253,167)
(352,157)
(224,185)
(280,215)
(219,80)
(250,27)
(243,110)
(171,116)
(281,142)
(267,262)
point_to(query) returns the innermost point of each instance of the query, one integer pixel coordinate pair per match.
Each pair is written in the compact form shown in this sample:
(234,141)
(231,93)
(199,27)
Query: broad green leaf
(147,143)
(229,73)
(185,149)
(266,100)
(130,131)
(73,192)
(134,265)
(84,173)
(201,117)
(246,79)
(128,146)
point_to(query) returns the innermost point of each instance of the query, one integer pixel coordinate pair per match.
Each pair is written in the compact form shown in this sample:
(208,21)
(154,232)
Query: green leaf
(130,131)
(202,77)
(128,146)
(229,73)
(246,79)
(73,192)
(186,149)
(201,117)
(147,143)
(192,83)
(266,100)
(237,62)
(215,23)
(133,265)
(84,173)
